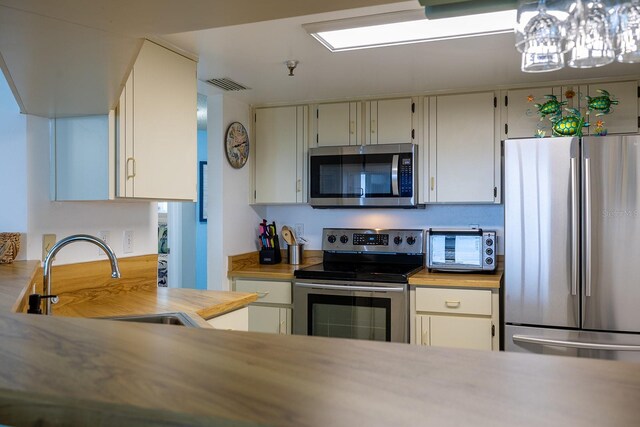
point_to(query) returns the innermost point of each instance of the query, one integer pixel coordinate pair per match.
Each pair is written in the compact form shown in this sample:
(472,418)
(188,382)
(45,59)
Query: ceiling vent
(226,84)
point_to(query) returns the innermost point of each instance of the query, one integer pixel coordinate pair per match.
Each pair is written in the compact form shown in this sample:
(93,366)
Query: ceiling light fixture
(406,27)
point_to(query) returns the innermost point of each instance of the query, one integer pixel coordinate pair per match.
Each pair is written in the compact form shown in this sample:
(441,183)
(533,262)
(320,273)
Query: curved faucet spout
(46,280)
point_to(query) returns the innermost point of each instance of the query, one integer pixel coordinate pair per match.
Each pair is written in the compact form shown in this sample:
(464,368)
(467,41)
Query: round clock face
(237,145)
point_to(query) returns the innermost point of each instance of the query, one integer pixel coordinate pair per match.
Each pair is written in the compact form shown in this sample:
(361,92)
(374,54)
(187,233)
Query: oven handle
(395,165)
(352,288)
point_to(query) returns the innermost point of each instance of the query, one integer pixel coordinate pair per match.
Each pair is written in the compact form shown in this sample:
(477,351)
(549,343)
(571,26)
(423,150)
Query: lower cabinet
(459,318)
(271,313)
(237,320)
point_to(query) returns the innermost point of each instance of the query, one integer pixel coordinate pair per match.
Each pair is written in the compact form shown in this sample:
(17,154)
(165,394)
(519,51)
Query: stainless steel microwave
(364,176)
(461,249)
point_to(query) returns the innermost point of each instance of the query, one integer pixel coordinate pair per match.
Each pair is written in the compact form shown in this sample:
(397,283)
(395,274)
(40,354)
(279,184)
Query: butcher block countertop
(457,280)
(247,266)
(134,294)
(98,372)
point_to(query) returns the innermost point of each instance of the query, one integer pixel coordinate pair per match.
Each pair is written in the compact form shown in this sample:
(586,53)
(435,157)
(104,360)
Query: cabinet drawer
(269,292)
(458,301)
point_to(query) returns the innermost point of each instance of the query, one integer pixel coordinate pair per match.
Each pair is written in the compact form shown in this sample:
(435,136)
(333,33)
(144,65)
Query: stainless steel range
(360,290)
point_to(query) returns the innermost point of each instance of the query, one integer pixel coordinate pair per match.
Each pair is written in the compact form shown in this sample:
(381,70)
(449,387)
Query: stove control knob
(397,240)
(411,240)
(344,239)
(331,238)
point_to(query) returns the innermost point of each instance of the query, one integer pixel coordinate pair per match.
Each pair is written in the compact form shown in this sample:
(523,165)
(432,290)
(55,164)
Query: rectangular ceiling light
(406,27)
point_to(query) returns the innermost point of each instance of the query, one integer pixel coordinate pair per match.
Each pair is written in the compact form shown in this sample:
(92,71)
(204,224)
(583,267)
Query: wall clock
(237,145)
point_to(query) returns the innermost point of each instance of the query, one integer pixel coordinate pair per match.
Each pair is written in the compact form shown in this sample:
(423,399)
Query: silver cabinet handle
(587,226)
(351,288)
(575,344)
(574,227)
(262,294)
(395,163)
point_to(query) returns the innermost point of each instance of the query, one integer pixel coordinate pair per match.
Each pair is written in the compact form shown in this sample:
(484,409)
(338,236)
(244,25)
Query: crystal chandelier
(591,33)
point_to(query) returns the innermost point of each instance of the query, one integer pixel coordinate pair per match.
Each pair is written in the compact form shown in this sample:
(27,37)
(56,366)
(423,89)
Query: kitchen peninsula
(87,371)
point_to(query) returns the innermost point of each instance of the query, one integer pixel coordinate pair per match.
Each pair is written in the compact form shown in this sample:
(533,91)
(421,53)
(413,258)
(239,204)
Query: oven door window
(351,176)
(341,316)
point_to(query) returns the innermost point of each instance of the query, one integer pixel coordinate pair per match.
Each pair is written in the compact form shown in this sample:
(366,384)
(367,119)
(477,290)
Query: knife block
(271,255)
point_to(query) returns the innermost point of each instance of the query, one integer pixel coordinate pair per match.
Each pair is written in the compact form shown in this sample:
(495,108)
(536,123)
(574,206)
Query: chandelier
(589,33)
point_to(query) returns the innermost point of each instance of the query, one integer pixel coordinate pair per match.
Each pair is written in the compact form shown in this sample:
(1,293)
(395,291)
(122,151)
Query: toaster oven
(461,249)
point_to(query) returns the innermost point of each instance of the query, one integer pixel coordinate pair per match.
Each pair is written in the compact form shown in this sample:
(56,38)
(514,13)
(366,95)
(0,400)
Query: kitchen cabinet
(237,320)
(281,145)
(389,121)
(83,158)
(144,149)
(338,124)
(271,313)
(157,127)
(623,117)
(460,318)
(464,152)
(520,115)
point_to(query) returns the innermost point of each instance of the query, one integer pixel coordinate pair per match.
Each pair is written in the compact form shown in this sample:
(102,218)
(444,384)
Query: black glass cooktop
(367,272)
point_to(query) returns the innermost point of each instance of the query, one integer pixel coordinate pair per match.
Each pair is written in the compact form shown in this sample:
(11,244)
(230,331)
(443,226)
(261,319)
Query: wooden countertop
(91,372)
(113,297)
(102,303)
(458,280)
(248,266)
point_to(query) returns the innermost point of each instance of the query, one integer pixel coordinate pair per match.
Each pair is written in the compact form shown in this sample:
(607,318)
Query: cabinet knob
(352,127)
(373,126)
(433,183)
(281,327)
(298,185)
(131,161)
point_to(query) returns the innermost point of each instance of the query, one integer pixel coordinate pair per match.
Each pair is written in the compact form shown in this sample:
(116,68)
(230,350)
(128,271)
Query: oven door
(368,311)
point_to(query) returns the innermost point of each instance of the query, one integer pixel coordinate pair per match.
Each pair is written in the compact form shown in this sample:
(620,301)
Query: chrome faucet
(46,280)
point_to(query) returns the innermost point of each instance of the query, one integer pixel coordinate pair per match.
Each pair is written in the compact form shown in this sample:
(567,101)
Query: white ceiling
(254,55)
(71,57)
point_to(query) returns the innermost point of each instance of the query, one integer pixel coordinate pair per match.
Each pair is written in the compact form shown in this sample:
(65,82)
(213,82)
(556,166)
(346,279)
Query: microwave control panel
(406,176)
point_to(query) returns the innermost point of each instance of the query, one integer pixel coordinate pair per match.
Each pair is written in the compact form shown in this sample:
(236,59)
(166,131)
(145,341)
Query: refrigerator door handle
(587,225)
(574,227)
(575,344)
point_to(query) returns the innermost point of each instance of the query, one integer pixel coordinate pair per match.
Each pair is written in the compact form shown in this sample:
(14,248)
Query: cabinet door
(460,332)
(237,320)
(164,103)
(279,159)
(623,117)
(273,320)
(464,169)
(338,124)
(390,121)
(523,120)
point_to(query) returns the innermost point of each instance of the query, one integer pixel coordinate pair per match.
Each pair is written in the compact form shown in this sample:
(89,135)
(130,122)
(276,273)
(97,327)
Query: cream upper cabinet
(521,115)
(157,127)
(454,317)
(280,150)
(623,116)
(389,121)
(464,153)
(338,124)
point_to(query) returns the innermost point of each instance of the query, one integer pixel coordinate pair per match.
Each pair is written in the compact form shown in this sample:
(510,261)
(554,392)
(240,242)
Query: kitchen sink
(177,318)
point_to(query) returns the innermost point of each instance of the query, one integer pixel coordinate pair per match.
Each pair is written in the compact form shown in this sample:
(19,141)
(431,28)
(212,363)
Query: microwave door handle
(395,163)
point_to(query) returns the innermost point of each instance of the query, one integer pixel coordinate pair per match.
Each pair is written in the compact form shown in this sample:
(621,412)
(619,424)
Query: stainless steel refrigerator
(572,246)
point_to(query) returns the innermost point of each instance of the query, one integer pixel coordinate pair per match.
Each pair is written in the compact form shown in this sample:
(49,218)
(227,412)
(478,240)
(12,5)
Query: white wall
(485,216)
(66,218)
(231,221)
(13,164)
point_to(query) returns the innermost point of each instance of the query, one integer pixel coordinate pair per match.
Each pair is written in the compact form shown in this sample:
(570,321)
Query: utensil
(288,236)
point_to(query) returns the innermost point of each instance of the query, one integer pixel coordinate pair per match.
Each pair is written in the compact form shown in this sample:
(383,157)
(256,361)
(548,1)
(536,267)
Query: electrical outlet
(127,242)
(299,230)
(48,240)
(105,236)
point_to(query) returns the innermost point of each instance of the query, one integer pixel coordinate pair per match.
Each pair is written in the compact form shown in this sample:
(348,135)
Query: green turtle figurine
(601,103)
(570,125)
(552,107)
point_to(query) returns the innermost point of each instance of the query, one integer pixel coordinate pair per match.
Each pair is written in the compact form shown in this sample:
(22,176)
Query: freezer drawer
(561,342)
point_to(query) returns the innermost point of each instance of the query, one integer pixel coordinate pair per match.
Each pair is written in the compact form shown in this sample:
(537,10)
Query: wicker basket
(9,247)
